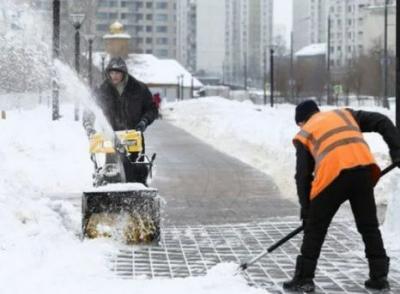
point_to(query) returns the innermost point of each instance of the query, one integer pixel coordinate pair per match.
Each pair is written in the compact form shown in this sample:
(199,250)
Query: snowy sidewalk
(204,186)
(191,250)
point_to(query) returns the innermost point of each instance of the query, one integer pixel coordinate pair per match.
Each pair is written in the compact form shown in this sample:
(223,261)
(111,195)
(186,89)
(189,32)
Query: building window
(102,27)
(149,41)
(139,29)
(149,51)
(162,41)
(127,15)
(102,15)
(102,3)
(113,15)
(149,5)
(161,5)
(149,16)
(149,29)
(161,53)
(113,3)
(161,29)
(161,17)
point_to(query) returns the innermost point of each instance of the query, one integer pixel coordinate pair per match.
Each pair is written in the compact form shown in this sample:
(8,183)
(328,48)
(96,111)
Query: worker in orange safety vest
(334,164)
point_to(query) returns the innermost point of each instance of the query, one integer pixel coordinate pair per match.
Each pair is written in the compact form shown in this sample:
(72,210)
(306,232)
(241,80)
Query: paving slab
(187,251)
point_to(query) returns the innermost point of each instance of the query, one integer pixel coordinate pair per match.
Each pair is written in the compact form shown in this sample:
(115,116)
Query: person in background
(334,164)
(157,102)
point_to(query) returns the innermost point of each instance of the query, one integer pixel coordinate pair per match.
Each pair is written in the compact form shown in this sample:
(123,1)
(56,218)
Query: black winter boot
(303,276)
(378,271)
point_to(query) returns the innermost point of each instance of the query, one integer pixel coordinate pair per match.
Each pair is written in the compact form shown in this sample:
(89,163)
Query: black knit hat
(117,64)
(305,110)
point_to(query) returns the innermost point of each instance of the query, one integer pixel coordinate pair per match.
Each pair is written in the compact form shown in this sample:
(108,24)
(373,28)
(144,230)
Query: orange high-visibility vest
(336,143)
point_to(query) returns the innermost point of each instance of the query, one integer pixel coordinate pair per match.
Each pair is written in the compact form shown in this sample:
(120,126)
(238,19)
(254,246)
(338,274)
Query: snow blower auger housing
(116,209)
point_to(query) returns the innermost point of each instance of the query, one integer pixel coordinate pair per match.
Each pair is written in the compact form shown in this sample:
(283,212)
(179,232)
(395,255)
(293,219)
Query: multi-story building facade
(309,22)
(152,24)
(373,24)
(210,38)
(348,30)
(186,32)
(248,39)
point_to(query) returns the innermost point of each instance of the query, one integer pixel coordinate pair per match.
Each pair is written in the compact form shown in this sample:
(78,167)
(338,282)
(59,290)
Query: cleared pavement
(204,186)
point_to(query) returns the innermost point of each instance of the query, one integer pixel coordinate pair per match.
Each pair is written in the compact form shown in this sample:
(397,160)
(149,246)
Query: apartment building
(309,22)
(210,38)
(353,25)
(374,24)
(248,36)
(186,32)
(152,24)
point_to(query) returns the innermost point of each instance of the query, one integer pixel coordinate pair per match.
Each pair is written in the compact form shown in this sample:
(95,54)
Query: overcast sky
(283,16)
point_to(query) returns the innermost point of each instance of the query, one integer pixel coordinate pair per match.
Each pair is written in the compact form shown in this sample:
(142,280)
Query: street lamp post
(103,59)
(272,76)
(56,54)
(77,20)
(385,58)
(397,64)
(265,76)
(90,39)
(245,70)
(328,64)
(178,88)
(182,87)
(291,73)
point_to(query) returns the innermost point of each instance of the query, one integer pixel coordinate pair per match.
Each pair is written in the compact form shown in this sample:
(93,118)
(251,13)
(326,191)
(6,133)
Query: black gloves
(395,155)
(90,131)
(141,126)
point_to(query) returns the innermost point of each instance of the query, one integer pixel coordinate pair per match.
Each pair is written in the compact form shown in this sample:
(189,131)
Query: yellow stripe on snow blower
(131,140)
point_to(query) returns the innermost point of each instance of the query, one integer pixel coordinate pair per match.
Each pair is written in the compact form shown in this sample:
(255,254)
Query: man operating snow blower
(128,106)
(334,164)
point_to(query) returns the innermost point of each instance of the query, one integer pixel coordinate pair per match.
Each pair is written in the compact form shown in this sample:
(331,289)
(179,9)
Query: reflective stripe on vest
(335,141)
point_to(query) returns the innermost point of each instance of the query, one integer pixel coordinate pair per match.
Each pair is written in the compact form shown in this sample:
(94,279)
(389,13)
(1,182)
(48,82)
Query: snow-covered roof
(117,36)
(312,50)
(154,71)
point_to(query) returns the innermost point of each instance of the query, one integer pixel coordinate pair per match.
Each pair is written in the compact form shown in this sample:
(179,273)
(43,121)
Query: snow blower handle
(245,265)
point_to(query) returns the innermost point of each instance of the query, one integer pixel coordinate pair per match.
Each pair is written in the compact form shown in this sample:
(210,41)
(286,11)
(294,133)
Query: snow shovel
(245,265)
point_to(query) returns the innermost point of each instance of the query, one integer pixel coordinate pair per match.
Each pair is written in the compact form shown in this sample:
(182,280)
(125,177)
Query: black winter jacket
(126,111)
(368,122)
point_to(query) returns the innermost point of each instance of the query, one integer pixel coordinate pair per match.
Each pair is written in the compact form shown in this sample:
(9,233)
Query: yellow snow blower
(115,208)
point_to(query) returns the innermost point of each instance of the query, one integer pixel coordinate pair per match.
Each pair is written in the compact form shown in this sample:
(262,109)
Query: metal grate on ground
(190,251)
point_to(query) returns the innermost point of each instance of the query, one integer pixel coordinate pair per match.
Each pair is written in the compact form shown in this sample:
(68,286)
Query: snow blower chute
(114,208)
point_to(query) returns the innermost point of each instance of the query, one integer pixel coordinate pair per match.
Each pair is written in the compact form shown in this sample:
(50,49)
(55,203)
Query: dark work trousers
(356,186)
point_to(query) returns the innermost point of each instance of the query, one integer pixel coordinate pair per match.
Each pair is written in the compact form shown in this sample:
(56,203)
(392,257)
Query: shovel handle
(388,169)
